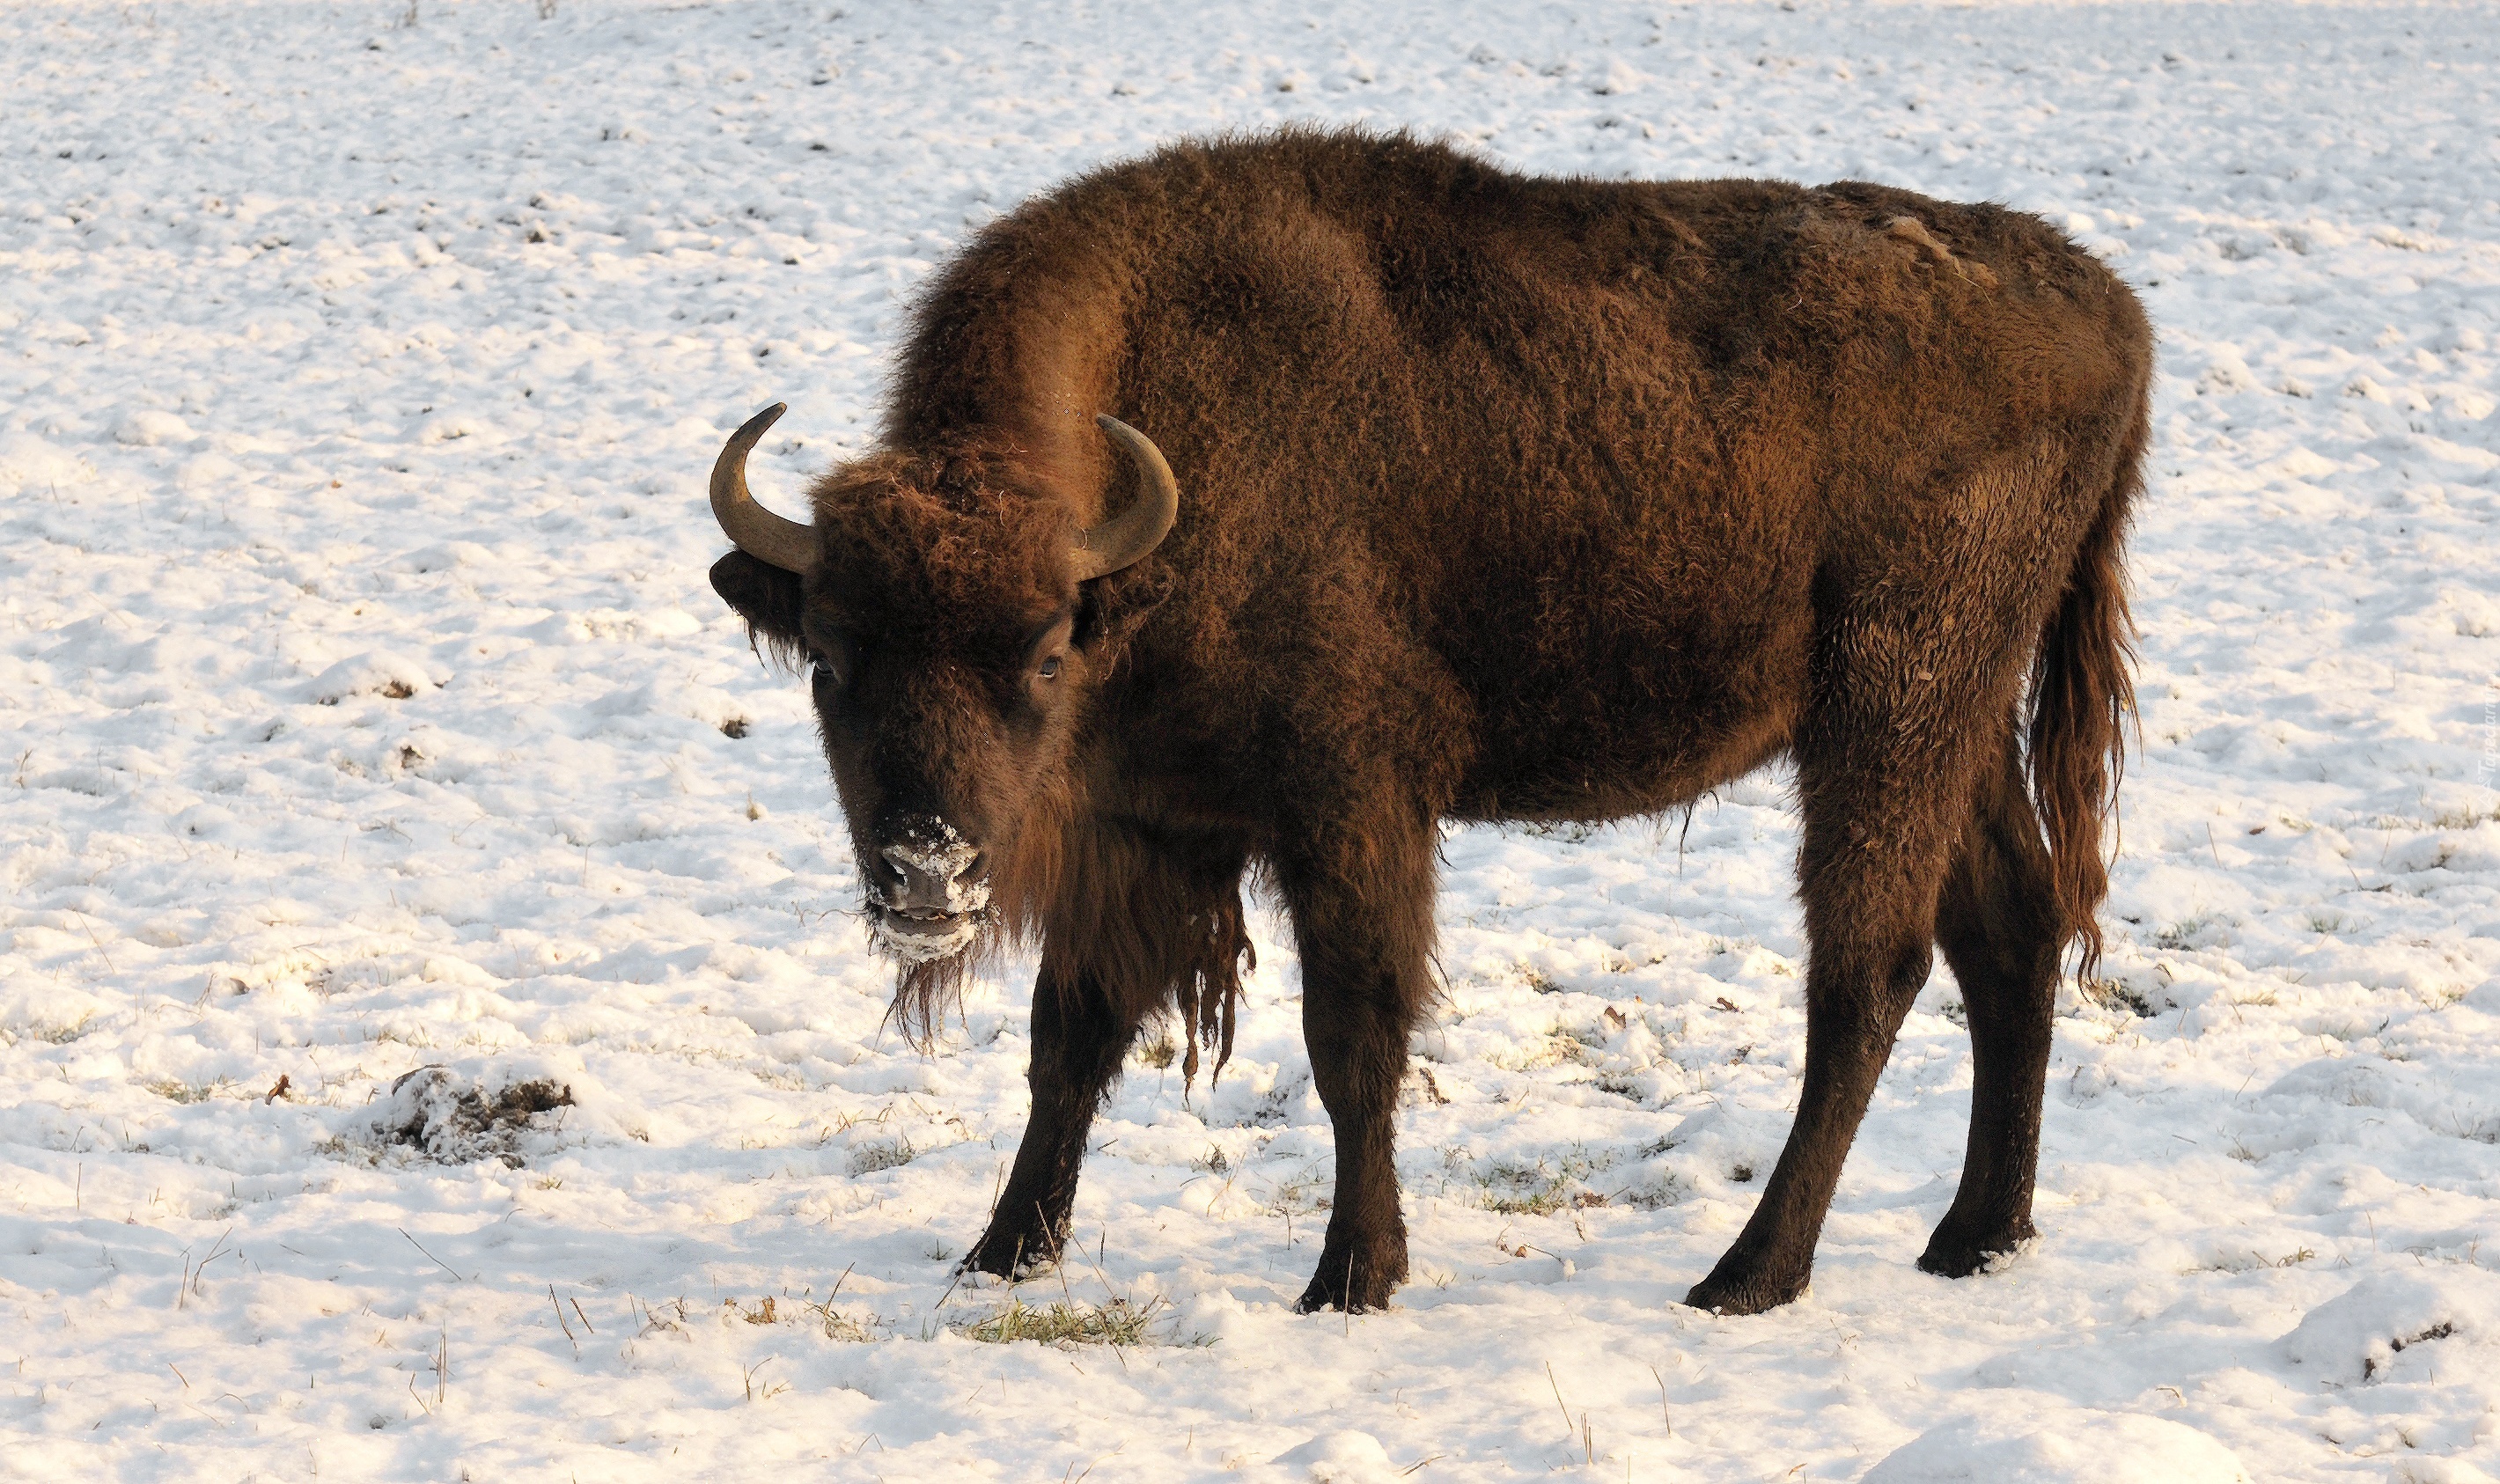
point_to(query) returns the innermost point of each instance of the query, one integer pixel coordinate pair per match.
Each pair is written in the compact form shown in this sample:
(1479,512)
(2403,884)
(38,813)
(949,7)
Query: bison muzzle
(1499,499)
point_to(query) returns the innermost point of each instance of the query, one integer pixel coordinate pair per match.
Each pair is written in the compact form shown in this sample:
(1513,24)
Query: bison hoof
(1011,1255)
(1357,1287)
(1954,1254)
(1745,1293)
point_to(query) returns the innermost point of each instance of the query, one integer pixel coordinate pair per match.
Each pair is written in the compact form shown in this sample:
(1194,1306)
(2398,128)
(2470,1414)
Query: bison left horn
(758,532)
(1138,530)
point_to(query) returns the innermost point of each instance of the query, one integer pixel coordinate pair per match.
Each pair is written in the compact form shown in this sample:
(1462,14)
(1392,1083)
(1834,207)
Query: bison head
(946,608)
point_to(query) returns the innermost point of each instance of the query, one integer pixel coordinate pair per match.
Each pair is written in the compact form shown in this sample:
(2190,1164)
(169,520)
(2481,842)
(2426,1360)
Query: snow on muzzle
(927,892)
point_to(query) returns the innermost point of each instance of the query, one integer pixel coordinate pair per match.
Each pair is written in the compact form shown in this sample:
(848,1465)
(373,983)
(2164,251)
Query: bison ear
(1109,609)
(770,600)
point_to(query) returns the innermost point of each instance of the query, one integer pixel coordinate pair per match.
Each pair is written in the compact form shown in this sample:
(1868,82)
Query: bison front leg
(1364,940)
(1079,1039)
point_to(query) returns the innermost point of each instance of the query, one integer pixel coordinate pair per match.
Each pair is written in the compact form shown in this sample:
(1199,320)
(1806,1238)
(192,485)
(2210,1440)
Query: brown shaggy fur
(1502,498)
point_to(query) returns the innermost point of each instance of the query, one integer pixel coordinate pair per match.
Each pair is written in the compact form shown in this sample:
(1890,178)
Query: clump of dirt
(437,1118)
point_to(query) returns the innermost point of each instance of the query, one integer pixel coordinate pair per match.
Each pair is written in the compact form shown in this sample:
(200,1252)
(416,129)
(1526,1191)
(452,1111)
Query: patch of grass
(1513,1189)
(2249,1260)
(1298,1194)
(338,1146)
(173,1090)
(837,1324)
(884,1154)
(1541,1201)
(2482,1130)
(1571,1043)
(1159,1052)
(1067,1323)
(1656,1195)
(1273,1110)
(2111,994)
(60,1035)
(2179,936)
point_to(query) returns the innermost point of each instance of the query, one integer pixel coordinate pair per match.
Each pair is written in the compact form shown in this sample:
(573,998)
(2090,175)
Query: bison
(1468,495)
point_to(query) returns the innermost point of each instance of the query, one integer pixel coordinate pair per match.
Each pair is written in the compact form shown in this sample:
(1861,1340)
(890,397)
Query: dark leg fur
(1855,1005)
(1363,984)
(2000,930)
(1879,830)
(1161,923)
(1079,1039)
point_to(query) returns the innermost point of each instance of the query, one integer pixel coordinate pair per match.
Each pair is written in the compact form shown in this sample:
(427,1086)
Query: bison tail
(2083,698)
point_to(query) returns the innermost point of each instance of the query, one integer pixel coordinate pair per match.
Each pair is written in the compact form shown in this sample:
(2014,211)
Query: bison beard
(1497,498)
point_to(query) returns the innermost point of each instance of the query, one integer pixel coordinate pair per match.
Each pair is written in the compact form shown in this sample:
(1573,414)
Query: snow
(2357,1336)
(366,711)
(2022,1442)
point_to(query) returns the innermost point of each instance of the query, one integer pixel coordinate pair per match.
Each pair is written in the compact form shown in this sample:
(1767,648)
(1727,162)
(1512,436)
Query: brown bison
(1482,497)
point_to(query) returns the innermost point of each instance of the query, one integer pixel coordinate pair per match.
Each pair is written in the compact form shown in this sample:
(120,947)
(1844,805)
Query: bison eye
(830,651)
(1050,668)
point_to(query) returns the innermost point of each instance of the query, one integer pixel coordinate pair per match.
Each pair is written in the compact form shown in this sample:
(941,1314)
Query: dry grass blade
(842,1326)
(771,1388)
(192,1274)
(456,1276)
(98,942)
(561,1323)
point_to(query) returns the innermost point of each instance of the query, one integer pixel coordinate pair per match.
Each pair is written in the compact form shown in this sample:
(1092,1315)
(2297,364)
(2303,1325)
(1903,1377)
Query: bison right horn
(1138,530)
(768,538)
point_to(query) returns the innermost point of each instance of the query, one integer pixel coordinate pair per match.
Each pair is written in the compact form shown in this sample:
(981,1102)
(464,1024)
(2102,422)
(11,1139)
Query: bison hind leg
(1885,765)
(1997,921)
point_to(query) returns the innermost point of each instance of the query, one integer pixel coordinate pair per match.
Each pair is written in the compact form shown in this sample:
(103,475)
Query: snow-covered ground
(363,709)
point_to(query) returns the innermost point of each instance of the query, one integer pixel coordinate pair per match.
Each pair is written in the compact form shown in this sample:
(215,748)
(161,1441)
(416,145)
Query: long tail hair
(2083,698)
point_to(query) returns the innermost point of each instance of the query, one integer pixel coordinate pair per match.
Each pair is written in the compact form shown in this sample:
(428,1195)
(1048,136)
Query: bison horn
(1123,539)
(768,538)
